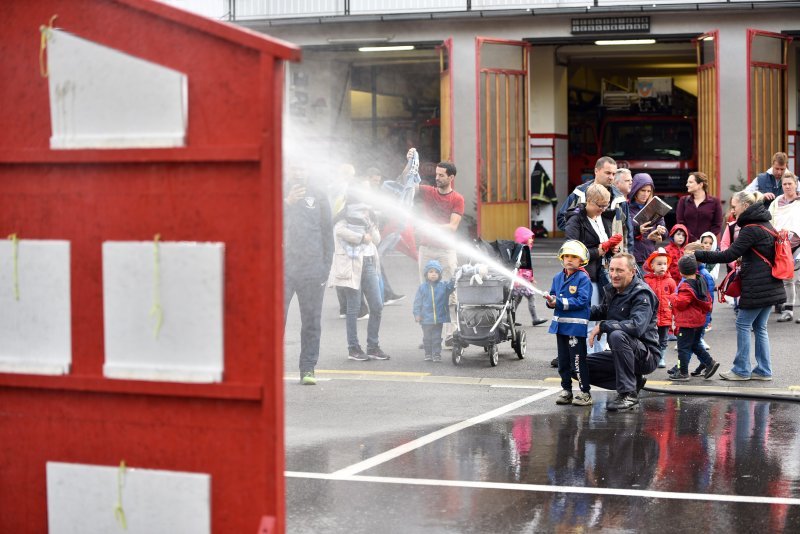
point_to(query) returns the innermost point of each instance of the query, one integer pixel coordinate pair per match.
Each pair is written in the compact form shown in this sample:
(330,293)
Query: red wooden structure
(223,186)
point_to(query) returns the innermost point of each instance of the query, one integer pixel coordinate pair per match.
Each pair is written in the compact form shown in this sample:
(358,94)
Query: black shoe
(673,370)
(623,402)
(700,370)
(537,322)
(554,362)
(355,353)
(375,353)
(711,370)
(679,377)
(449,341)
(640,382)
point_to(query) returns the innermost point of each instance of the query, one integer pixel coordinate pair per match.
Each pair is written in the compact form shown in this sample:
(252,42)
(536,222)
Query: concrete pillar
(465,123)
(547,122)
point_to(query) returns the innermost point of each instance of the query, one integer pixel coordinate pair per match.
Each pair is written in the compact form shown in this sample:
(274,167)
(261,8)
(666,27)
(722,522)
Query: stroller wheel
(458,351)
(521,345)
(494,355)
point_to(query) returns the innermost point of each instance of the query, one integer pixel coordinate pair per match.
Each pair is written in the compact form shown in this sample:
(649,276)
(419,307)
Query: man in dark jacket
(307,257)
(768,182)
(628,316)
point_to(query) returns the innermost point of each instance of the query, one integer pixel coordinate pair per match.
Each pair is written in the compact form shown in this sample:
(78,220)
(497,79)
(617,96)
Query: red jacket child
(658,278)
(691,303)
(679,235)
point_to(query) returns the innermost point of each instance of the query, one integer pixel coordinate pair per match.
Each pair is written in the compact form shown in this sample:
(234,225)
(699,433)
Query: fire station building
(506,88)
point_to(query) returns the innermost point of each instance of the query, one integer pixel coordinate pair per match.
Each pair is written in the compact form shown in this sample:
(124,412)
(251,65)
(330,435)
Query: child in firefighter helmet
(570,296)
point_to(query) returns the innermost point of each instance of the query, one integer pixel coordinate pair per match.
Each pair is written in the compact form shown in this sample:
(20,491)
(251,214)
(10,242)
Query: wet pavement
(410,446)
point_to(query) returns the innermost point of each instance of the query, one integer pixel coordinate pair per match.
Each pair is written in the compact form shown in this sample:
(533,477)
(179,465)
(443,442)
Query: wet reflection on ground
(672,444)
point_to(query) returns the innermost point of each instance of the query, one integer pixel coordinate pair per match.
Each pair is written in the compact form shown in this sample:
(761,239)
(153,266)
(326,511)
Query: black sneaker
(355,353)
(700,370)
(448,342)
(554,362)
(375,353)
(537,322)
(679,377)
(673,370)
(623,402)
(711,370)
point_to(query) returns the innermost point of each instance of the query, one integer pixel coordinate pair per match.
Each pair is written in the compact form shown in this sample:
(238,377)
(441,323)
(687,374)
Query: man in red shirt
(443,208)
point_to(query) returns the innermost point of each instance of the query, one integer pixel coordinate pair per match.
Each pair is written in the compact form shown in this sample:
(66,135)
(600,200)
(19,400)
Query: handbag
(730,286)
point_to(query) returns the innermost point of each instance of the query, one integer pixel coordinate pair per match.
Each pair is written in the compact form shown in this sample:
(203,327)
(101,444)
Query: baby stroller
(485,315)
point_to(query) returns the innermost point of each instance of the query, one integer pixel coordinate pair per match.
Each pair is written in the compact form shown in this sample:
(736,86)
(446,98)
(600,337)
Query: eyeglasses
(601,206)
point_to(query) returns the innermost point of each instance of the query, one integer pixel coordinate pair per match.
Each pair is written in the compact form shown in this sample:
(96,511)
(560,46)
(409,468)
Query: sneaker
(355,353)
(437,358)
(662,363)
(786,317)
(708,328)
(679,377)
(448,342)
(428,357)
(712,369)
(730,375)
(391,299)
(756,376)
(554,362)
(362,317)
(673,370)
(537,322)
(623,402)
(565,397)
(307,378)
(582,399)
(797,320)
(700,370)
(375,353)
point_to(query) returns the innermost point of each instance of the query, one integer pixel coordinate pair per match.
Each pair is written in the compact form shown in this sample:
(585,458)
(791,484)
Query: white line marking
(433,436)
(649,494)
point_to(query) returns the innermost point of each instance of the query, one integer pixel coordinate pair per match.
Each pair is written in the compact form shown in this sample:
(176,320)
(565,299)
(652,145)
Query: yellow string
(15,255)
(119,512)
(156,310)
(45,33)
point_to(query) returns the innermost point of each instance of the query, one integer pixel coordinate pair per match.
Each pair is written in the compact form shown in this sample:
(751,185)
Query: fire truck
(649,126)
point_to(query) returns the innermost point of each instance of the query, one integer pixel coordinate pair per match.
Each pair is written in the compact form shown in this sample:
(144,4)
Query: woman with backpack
(755,245)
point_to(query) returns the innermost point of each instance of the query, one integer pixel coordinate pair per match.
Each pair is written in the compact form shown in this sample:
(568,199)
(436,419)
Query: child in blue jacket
(431,309)
(570,296)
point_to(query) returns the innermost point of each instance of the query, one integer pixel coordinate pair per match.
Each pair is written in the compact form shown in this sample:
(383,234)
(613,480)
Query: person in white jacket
(785,211)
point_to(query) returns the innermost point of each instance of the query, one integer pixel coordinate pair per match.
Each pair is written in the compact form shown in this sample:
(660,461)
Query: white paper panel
(35,331)
(189,345)
(81,499)
(104,98)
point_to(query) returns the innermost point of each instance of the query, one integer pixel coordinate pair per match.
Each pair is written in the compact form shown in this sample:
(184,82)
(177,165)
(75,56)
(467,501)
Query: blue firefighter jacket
(573,303)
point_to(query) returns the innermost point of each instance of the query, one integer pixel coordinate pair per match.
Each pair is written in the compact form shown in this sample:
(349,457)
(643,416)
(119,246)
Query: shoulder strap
(770,232)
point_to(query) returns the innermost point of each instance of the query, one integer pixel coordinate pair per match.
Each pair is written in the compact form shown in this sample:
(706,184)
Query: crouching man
(627,315)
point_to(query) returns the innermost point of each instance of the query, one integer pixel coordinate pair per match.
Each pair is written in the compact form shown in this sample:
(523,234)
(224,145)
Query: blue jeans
(757,318)
(600,341)
(370,287)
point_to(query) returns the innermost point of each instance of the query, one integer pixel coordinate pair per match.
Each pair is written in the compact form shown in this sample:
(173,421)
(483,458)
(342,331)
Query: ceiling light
(386,48)
(626,42)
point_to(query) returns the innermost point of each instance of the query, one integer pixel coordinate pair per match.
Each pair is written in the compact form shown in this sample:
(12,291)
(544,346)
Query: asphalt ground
(406,445)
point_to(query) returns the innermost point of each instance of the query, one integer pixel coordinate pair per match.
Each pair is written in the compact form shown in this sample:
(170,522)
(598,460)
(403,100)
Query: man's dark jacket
(308,238)
(633,310)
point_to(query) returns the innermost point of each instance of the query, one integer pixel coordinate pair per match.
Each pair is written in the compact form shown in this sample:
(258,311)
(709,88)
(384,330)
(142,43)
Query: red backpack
(783,268)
